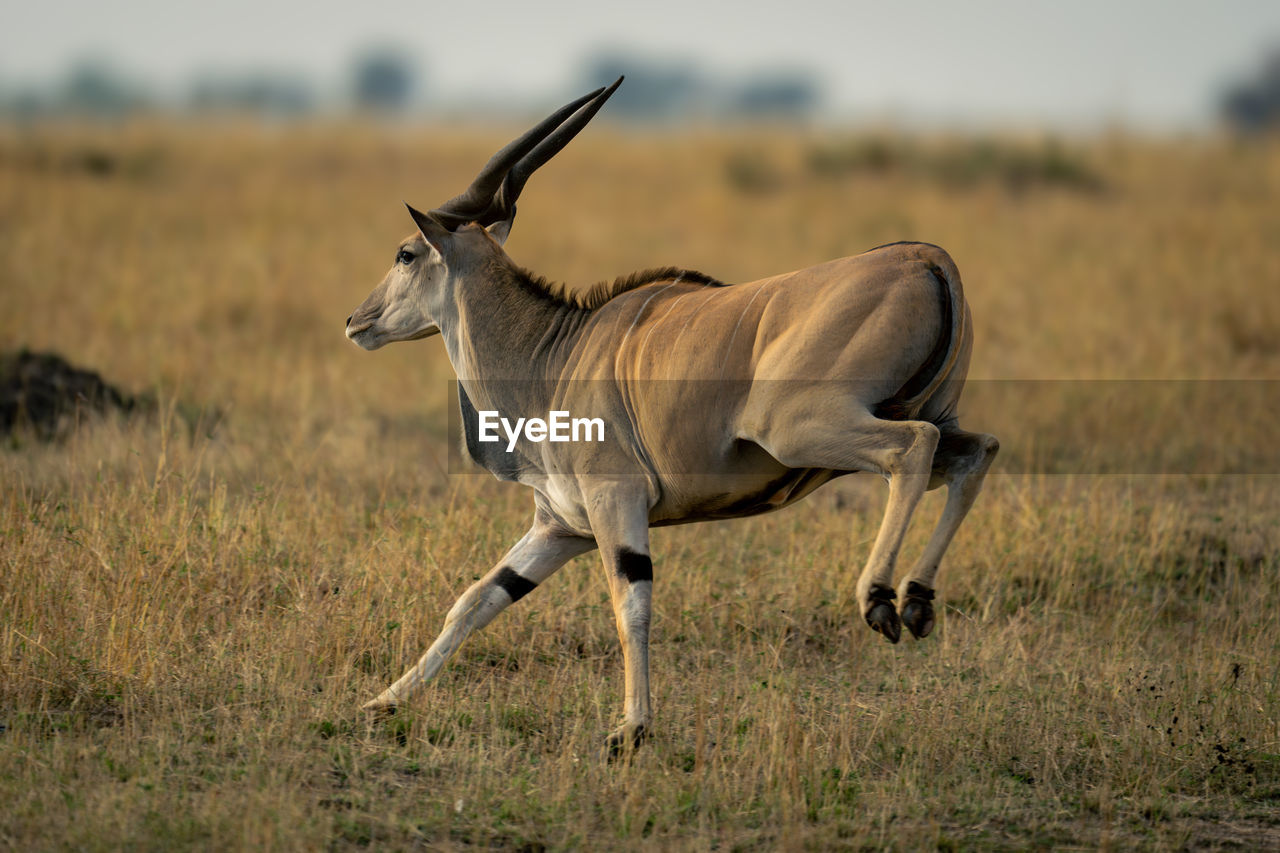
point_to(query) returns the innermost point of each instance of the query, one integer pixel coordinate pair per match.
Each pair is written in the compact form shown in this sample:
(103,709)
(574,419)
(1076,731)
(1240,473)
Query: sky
(1071,63)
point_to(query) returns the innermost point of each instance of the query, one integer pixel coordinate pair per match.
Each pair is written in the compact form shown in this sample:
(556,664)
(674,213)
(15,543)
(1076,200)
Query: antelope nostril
(349,319)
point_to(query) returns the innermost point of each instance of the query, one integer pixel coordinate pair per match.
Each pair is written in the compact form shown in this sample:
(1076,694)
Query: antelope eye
(404,257)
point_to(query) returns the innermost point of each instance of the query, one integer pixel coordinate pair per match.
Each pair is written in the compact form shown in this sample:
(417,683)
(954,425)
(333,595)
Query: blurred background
(1181,66)
(199,588)
(195,195)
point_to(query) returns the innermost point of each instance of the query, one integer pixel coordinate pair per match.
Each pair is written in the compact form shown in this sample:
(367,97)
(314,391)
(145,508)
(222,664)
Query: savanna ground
(195,602)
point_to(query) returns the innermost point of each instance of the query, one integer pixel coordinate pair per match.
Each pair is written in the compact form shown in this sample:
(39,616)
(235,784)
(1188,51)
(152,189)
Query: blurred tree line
(380,80)
(387,81)
(1252,105)
(659,90)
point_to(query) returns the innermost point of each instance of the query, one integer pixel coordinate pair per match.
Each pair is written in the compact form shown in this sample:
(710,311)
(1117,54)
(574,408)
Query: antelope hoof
(917,612)
(882,616)
(625,741)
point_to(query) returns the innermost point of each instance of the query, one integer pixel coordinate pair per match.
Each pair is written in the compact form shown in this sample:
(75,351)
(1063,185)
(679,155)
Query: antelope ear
(501,229)
(432,231)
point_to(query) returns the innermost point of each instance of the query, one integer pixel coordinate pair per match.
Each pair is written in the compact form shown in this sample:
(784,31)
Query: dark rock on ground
(44,393)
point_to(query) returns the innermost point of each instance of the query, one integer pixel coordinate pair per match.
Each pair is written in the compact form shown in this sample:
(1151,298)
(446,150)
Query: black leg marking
(634,567)
(882,593)
(618,745)
(513,584)
(915,590)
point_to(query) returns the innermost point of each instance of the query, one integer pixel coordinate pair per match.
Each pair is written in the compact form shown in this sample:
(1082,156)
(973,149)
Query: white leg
(961,461)
(619,515)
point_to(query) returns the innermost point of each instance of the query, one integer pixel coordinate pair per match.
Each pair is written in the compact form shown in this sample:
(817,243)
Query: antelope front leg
(529,562)
(620,519)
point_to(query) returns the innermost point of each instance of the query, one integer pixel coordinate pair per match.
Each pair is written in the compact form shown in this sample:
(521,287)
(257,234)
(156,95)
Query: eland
(716,401)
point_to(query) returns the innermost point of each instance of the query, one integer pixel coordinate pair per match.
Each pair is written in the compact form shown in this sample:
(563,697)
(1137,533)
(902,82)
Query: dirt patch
(45,394)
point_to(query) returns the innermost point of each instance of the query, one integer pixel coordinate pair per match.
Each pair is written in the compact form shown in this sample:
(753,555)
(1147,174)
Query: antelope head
(460,237)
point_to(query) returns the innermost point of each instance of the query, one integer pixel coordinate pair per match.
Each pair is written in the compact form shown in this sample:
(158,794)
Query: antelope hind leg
(902,451)
(961,461)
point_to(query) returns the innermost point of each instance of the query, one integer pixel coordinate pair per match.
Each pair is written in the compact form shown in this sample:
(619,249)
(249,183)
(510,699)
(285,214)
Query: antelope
(718,401)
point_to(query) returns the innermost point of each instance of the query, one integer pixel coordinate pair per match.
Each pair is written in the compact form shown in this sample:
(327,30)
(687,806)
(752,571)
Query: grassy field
(194,603)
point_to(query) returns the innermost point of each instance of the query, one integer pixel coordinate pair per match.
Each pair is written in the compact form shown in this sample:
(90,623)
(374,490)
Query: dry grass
(191,618)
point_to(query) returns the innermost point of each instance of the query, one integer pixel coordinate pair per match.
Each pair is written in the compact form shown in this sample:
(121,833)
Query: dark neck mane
(598,294)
